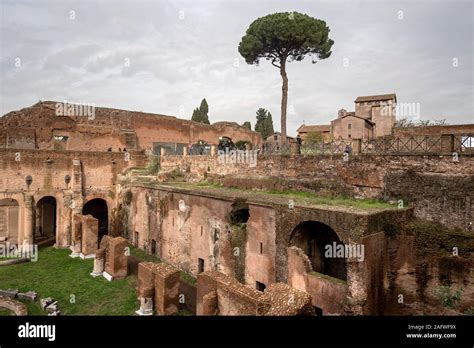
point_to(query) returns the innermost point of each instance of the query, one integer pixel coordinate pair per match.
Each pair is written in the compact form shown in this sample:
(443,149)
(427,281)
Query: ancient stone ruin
(325,233)
(111,259)
(158,288)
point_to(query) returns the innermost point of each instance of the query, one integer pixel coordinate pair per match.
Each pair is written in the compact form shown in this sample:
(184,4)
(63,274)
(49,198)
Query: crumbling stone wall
(440,197)
(36,126)
(218,294)
(420,265)
(187,227)
(460,129)
(328,293)
(91,174)
(393,178)
(160,282)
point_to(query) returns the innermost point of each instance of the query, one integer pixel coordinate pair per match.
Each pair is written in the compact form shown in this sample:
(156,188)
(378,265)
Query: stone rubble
(11,293)
(28,296)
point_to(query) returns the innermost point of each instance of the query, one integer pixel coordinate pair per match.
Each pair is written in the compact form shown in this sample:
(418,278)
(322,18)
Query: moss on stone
(327,277)
(187,278)
(432,238)
(127,197)
(282,196)
(238,240)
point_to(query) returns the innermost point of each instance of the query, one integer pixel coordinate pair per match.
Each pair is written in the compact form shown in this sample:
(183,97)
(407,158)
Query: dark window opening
(97,207)
(349,126)
(260,286)
(153,247)
(201,231)
(261,248)
(45,218)
(240,212)
(200,265)
(136,240)
(216,235)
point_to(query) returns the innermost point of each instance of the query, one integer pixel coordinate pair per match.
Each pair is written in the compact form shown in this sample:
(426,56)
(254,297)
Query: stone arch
(9,220)
(98,208)
(46,218)
(225,143)
(314,238)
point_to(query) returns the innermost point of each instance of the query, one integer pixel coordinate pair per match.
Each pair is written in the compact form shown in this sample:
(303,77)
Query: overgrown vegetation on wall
(153,164)
(238,241)
(432,238)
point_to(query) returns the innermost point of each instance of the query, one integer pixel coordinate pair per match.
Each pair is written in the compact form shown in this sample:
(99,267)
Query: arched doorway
(9,215)
(97,207)
(225,144)
(45,218)
(313,238)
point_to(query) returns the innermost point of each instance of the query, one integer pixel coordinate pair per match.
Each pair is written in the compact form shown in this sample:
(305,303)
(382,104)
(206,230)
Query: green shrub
(448,297)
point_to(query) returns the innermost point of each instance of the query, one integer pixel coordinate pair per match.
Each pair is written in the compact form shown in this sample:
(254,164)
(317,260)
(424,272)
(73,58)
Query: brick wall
(438,187)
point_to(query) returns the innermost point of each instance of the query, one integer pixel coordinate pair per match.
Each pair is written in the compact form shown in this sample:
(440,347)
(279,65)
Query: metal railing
(408,145)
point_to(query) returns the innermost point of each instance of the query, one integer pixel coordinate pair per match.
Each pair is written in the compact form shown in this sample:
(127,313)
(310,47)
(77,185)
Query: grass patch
(208,184)
(6,312)
(143,256)
(302,198)
(183,313)
(153,164)
(187,278)
(344,201)
(57,275)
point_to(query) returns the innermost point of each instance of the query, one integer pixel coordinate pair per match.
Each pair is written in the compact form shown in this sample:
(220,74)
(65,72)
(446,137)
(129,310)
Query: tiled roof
(376,97)
(314,128)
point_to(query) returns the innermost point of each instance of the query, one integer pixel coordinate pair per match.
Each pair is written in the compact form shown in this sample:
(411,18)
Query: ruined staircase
(130,138)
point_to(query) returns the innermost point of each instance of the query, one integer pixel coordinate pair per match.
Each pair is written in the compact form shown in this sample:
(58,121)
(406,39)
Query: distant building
(275,139)
(374,117)
(324,130)
(350,126)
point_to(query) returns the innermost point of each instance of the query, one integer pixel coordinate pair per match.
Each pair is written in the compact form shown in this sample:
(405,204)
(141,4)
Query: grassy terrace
(300,198)
(57,275)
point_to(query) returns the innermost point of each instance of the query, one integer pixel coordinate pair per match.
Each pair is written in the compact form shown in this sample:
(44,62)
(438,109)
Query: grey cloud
(175,62)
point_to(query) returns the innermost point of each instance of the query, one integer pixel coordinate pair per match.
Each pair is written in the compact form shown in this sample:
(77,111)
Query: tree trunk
(284,101)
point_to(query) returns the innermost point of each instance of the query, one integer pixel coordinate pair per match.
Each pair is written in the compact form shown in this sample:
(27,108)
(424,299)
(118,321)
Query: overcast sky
(165,56)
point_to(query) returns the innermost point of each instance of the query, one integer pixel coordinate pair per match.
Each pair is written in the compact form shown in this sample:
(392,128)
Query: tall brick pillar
(64,234)
(28,233)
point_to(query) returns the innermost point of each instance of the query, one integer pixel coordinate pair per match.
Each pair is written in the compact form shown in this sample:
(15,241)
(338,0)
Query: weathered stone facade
(413,179)
(254,253)
(39,127)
